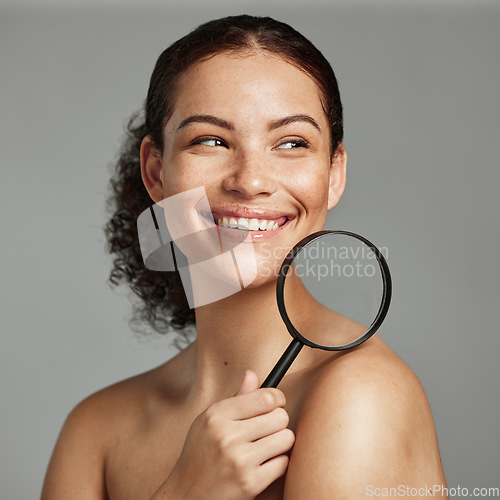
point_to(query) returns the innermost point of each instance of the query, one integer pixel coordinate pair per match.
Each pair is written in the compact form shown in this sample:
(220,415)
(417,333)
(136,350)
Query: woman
(248,109)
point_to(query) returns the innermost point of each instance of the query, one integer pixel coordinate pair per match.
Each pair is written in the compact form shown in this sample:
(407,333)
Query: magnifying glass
(333,292)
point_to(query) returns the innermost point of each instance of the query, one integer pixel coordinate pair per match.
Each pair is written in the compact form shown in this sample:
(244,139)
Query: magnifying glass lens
(333,290)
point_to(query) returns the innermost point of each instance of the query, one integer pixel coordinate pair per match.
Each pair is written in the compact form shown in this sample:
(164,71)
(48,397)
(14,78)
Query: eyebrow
(219,122)
(293,119)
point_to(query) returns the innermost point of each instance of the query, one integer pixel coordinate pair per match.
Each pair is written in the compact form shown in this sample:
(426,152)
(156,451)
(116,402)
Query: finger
(264,425)
(250,383)
(272,446)
(252,403)
(271,470)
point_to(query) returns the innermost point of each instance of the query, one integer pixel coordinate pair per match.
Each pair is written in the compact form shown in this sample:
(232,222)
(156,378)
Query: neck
(240,332)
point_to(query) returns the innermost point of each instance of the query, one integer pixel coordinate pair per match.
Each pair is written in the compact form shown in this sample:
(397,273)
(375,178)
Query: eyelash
(299,142)
(199,140)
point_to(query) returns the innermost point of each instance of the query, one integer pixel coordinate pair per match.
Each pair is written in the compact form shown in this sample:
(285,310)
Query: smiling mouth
(247,224)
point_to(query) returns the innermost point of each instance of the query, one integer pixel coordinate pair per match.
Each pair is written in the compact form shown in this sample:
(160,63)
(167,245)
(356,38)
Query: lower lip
(239,234)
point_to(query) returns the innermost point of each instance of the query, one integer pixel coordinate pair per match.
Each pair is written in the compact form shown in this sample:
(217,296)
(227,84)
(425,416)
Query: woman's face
(251,130)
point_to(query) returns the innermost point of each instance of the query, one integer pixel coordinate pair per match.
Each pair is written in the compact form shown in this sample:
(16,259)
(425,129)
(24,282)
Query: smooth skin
(198,427)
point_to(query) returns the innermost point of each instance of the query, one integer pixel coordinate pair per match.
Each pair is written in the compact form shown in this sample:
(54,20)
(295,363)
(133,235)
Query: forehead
(245,85)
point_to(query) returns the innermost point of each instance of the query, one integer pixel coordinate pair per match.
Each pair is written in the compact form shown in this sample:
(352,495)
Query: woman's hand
(235,449)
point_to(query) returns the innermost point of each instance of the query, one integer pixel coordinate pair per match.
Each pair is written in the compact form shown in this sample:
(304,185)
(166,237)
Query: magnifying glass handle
(274,378)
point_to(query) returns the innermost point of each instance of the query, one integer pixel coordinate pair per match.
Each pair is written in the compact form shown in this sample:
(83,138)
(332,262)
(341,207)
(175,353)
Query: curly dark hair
(163,304)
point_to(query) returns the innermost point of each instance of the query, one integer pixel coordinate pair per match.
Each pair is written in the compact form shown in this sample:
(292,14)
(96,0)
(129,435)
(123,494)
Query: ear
(151,169)
(337,176)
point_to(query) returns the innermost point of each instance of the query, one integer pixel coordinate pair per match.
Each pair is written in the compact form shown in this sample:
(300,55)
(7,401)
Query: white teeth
(248,224)
(253,225)
(242,223)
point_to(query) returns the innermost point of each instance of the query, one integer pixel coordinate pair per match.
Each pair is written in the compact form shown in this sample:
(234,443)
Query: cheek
(311,189)
(177,179)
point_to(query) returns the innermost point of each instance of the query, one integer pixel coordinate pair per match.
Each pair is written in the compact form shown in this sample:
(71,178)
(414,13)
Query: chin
(224,262)
(265,275)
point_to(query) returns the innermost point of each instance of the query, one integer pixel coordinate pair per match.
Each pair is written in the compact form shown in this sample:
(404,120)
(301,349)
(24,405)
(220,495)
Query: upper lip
(250,213)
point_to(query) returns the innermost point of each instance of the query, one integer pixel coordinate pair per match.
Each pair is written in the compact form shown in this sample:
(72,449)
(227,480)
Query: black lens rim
(384,303)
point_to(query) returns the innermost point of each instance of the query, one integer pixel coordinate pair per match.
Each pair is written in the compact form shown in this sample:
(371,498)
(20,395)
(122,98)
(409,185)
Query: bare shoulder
(94,427)
(366,423)
(109,411)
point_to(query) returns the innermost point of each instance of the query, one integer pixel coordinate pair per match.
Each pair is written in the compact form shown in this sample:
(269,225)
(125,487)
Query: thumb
(250,383)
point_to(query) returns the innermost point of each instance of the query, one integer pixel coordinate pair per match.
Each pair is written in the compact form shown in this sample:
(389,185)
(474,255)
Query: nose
(250,176)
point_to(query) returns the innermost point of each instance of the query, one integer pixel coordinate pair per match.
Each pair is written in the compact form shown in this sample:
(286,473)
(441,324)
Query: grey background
(420,91)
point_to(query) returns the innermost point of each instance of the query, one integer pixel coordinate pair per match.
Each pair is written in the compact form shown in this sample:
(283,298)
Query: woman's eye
(209,141)
(296,143)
